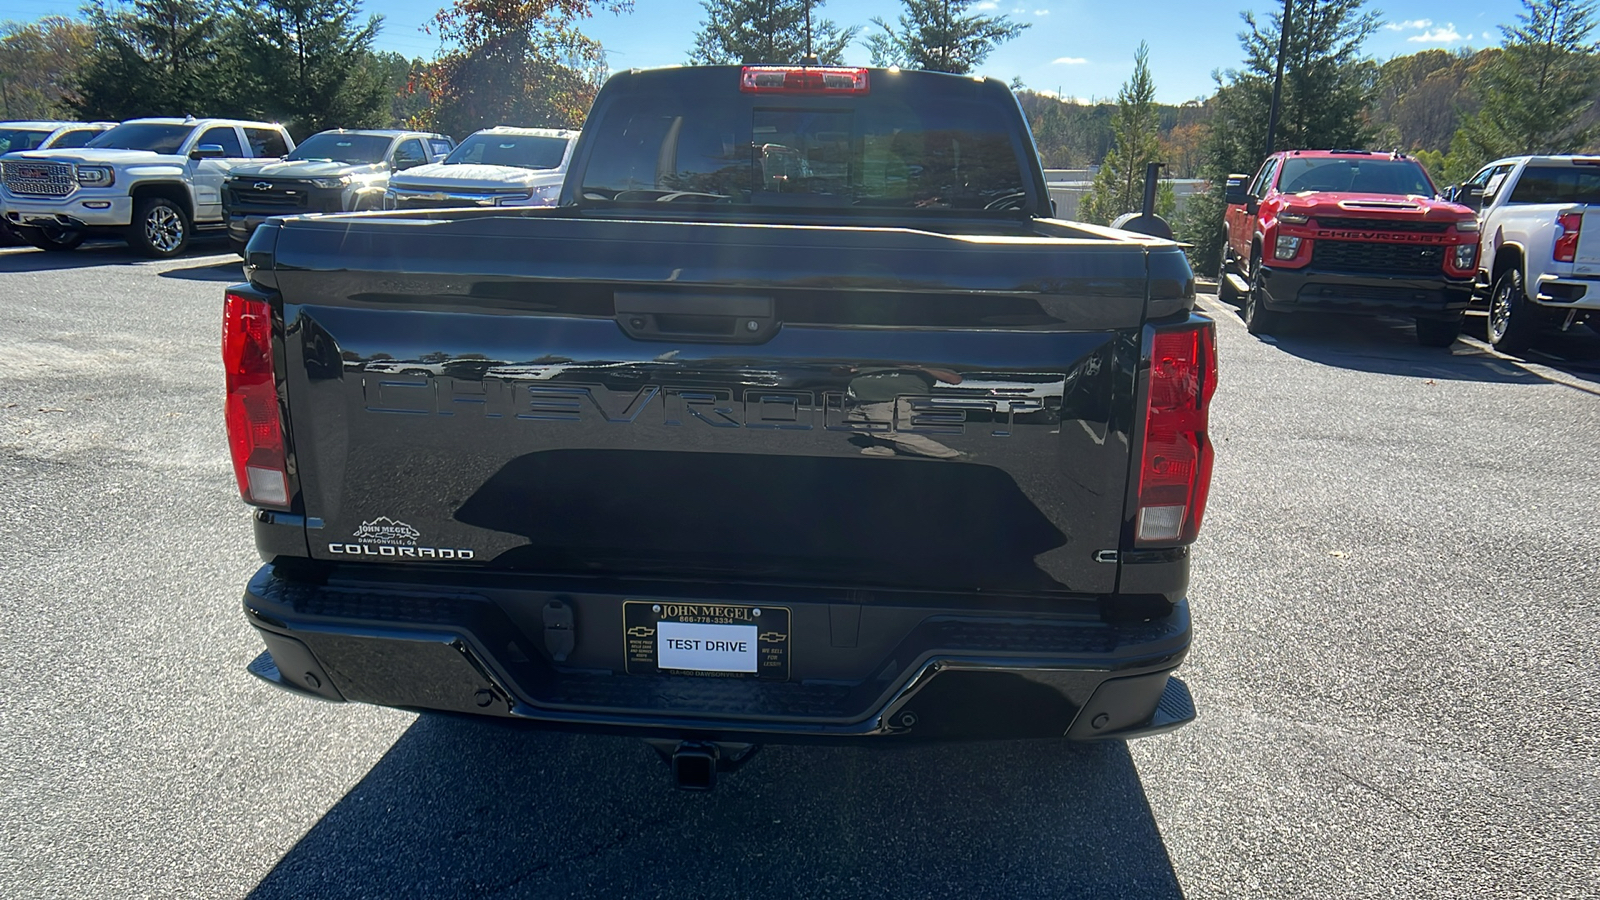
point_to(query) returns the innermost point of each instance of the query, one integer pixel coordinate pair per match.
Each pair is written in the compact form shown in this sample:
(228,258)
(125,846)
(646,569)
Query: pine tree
(306,62)
(153,58)
(1328,86)
(1536,93)
(768,31)
(940,36)
(1119,185)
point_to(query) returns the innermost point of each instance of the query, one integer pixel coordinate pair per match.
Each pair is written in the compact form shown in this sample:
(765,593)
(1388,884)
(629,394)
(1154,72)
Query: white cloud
(1410,25)
(986,5)
(1068,61)
(1041,12)
(1446,35)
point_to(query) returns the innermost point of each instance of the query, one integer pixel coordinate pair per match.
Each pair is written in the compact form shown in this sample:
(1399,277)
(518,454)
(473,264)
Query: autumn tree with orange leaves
(512,62)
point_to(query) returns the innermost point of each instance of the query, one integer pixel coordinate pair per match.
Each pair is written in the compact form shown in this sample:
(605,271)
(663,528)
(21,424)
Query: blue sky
(1083,48)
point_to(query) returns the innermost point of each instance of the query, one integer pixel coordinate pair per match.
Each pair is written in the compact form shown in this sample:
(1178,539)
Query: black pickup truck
(798,418)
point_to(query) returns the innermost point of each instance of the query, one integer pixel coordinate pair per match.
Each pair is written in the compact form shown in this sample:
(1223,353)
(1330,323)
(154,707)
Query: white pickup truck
(498,166)
(152,180)
(1540,262)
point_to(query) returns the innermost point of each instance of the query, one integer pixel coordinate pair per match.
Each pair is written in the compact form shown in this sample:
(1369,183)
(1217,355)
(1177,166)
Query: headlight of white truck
(544,195)
(339,182)
(96,176)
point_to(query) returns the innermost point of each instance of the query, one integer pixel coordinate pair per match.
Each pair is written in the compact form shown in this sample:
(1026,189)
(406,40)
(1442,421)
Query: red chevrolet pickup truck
(1347,231)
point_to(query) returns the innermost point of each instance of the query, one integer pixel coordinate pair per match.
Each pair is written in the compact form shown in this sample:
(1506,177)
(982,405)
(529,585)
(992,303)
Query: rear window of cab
(946,153)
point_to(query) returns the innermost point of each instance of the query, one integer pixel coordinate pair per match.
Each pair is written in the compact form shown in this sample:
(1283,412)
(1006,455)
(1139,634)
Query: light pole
(1277,81)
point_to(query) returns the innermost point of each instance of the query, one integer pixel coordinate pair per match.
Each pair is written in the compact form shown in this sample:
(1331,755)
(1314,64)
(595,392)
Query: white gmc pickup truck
(1540,262)
(152,180)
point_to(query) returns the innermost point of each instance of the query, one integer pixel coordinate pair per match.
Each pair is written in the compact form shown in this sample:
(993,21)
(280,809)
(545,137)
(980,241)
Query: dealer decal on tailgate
(715,639)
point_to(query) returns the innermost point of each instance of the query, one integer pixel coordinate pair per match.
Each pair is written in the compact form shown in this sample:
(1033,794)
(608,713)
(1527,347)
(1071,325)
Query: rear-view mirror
(1468,195)
(1236,194)
(208,151)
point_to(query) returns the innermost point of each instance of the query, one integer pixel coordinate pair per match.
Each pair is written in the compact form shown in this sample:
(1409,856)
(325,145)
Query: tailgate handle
(719,318)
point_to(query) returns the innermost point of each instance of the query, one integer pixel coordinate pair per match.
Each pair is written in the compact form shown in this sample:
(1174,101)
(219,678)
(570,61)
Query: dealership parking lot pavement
(1395,602)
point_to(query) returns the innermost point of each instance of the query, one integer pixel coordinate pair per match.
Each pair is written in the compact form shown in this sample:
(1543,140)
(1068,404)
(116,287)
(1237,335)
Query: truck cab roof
(1563,159)
(190,120)
(50,125)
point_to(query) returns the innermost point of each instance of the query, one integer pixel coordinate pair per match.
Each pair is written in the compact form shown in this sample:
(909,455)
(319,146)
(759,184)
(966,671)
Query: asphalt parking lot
(1395,601)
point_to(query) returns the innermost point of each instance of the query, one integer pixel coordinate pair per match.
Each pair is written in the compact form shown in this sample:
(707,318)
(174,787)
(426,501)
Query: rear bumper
(920,672)
(1571,292)
(1312,290)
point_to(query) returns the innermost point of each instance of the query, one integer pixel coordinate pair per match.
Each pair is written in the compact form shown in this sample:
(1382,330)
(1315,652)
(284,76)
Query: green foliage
(1327,82)
(940,36)
(1536,93)
(767,31)
(1166,199)
(1119,185)
(1067,134)
(307,63)
(400,79)
(36,60)
(1418,100)
(154,57)
(515,62)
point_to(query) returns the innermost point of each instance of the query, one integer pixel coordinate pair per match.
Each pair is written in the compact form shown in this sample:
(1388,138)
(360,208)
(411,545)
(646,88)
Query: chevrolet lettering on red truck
(797,418)
(1347,231)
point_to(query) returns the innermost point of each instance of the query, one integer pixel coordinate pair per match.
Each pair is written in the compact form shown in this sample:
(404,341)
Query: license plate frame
(641,620)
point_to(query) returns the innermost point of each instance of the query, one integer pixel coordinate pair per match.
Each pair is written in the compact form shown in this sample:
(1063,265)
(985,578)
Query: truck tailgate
(845,406)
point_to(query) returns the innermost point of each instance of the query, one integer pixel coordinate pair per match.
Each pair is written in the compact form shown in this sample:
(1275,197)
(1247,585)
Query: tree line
(312,64)
(308,63)
(1454,111)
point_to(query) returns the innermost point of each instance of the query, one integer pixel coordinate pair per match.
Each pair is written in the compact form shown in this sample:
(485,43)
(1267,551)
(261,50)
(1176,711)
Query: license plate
(717,639)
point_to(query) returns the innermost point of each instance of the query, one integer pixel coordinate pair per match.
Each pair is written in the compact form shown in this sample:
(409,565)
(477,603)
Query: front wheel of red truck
(1257,318)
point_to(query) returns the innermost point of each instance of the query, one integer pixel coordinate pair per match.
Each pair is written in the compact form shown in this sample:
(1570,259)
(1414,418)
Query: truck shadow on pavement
(1389,347)
(459,808)
(27,259)
(226,270)
(104,253)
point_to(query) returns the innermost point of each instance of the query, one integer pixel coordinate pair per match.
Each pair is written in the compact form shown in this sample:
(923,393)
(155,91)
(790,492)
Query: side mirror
(1468,195)
(208,151)
(402,164)
(1236,194)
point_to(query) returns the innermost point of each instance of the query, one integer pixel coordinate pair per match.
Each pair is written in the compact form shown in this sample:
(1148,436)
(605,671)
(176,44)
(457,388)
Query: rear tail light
(1568,226)
(1175,461)
(255,429)
(802,80)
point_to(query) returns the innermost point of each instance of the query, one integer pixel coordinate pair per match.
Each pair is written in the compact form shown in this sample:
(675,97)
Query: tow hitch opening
(695,764)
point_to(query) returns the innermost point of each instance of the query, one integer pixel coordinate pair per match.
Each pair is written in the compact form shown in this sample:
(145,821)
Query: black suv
(332,171)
